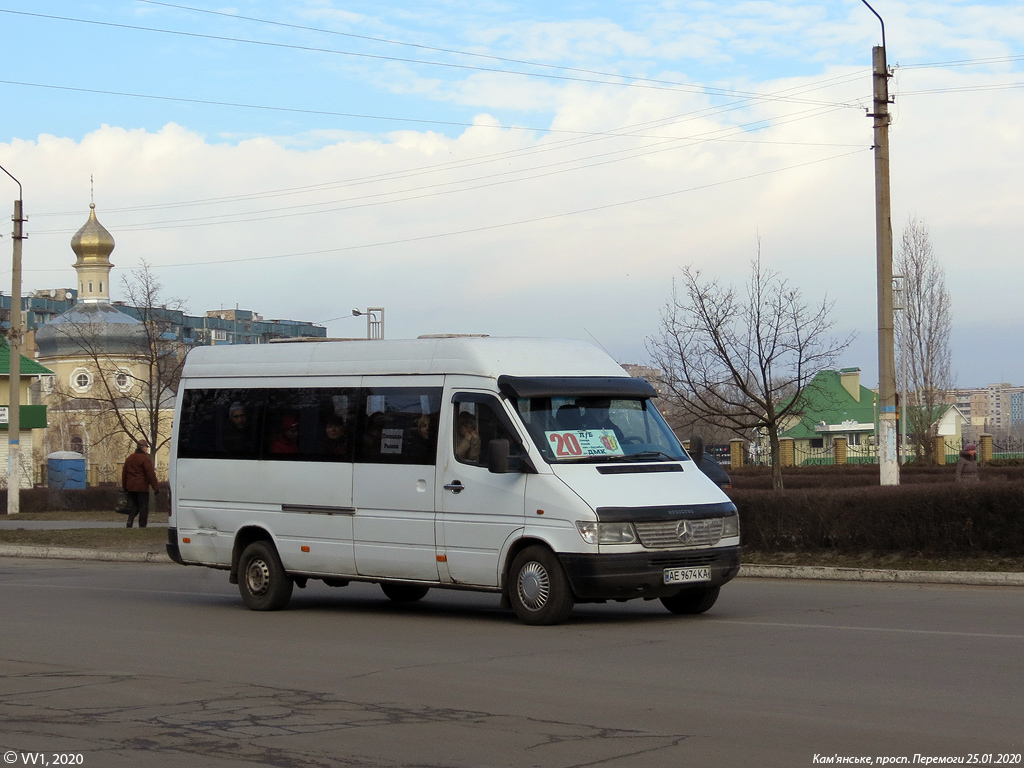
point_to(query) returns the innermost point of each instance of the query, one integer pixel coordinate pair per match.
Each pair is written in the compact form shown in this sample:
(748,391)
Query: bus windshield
(598,429)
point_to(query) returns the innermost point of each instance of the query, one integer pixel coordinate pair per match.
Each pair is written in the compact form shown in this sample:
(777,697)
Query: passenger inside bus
(334,441)
(467,441)
(238,433)
(373,435)
(422,440)
(287,439)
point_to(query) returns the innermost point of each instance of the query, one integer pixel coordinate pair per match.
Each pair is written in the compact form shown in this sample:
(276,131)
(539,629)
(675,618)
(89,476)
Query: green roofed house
(33,416)
(836,405)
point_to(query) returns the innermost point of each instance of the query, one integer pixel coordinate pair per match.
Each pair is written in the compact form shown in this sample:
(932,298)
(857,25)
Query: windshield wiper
(644,455)
(600,459)
(594,459)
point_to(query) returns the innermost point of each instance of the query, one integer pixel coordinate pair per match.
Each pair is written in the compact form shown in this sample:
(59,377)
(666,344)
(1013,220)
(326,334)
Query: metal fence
(1010,448)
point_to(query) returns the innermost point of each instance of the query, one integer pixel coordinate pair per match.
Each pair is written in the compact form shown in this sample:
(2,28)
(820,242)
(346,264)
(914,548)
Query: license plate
(687,575)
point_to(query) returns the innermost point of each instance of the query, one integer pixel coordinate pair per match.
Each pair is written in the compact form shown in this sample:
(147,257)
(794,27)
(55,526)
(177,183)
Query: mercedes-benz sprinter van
(533,468)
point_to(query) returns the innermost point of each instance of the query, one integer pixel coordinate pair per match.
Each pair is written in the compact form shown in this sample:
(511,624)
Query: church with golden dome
(91,360)
(99,396)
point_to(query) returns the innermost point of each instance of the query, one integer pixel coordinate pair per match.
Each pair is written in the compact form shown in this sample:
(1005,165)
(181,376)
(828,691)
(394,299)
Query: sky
(519,168)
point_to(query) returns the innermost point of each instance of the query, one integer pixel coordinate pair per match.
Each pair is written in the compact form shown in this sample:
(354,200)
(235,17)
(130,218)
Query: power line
(490,227)
(298,110)
(491,57)
(431,190)
(632,131)
(963,62)
(964,89)
(621,81)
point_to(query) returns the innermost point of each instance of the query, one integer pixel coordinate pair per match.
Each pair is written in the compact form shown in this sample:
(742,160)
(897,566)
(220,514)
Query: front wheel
(691,601)
(263,582)
(404,593)
(538,589)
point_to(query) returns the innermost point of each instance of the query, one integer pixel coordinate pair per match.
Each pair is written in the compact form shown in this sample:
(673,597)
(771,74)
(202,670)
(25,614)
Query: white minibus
(536,469)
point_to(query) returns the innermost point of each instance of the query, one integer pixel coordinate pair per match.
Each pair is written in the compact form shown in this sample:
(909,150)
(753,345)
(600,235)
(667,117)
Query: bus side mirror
(497,457)
(697,450)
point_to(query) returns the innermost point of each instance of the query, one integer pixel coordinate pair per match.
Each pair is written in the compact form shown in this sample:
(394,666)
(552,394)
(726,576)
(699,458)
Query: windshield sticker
(575,443)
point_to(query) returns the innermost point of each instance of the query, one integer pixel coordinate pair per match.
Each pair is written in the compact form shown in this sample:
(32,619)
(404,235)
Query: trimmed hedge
(77,500)
(862,475)
(932,519)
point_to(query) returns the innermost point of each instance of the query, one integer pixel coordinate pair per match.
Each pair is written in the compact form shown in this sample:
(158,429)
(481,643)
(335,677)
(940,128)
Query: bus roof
(476,356)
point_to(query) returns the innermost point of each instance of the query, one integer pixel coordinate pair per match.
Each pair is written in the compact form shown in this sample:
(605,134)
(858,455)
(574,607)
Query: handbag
(124,504)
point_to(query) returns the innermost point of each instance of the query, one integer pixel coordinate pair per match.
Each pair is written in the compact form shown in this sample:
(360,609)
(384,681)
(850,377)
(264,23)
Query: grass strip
(897,561)
(123,539)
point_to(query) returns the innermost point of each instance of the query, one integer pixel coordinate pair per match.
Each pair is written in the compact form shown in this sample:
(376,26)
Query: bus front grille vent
(679,534)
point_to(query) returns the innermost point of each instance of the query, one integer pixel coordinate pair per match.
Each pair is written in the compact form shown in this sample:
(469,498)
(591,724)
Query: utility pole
(888,461)
(14,383)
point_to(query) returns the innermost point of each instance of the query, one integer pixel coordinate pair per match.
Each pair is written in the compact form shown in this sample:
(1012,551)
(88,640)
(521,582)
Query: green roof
(826,400)
(28,367)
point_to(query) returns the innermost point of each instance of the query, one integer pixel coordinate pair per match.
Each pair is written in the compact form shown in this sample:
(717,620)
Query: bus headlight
(730,526)
(606,533)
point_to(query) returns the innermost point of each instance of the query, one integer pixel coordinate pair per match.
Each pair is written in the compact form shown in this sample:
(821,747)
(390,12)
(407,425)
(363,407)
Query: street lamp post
(374,321)
(14,383)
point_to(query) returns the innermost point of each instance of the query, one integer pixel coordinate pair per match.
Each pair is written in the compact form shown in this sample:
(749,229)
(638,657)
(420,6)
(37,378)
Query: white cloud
(495,230)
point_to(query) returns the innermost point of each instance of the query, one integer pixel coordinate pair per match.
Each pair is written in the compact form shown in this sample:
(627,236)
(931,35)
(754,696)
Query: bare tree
(742,362)
(134,375)
(922,337)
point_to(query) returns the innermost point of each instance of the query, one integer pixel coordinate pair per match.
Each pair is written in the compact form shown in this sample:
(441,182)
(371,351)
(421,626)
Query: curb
(71,553)
(973,578)
(810,572)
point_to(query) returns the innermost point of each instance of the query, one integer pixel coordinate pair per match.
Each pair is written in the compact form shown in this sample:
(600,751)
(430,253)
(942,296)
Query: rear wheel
(404,593)
(538,589)
(691,601)
(263,583)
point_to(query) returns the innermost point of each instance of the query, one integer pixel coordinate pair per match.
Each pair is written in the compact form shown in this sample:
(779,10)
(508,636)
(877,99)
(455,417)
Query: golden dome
(92,243)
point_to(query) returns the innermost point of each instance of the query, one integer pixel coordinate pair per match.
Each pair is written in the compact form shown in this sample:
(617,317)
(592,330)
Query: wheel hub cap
(534,586)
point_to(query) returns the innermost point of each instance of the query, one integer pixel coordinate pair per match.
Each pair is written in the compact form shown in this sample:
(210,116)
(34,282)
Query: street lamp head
(15,181)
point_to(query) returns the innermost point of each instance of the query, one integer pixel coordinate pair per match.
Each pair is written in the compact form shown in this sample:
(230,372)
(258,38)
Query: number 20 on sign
(566,444)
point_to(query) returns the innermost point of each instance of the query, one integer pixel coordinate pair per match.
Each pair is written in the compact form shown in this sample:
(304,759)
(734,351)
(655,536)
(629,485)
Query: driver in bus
(595,415)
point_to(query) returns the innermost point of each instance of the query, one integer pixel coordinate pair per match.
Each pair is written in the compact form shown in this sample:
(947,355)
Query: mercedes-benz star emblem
(684,532)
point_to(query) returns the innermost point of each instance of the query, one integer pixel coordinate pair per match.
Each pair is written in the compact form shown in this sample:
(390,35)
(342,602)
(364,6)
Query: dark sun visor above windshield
(582,386)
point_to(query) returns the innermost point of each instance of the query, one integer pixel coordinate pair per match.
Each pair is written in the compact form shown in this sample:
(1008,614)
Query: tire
(538,589)
(691,601)
(404,593)
(262,580)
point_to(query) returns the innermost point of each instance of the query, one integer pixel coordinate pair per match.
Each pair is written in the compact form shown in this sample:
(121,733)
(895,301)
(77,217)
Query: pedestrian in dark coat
(967,465)
(137,477)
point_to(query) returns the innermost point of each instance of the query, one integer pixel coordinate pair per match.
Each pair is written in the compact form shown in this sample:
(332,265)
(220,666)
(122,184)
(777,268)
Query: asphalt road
(154,665)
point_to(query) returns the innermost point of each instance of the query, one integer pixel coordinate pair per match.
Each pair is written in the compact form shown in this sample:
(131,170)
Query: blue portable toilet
(65,470)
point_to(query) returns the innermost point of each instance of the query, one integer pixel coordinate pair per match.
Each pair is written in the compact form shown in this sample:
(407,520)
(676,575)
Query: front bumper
(641,574)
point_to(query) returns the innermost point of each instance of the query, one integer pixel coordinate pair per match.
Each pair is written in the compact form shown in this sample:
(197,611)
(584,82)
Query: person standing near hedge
(967,465)
(137,476)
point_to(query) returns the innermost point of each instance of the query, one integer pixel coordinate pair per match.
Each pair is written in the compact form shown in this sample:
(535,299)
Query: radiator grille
(680,534)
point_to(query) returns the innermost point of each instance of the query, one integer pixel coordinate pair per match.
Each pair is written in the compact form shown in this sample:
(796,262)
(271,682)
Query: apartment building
(997,409)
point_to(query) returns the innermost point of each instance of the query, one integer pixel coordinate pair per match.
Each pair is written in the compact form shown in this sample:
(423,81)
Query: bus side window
(220,424)
(476,424)
(335,424)
(398,425)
